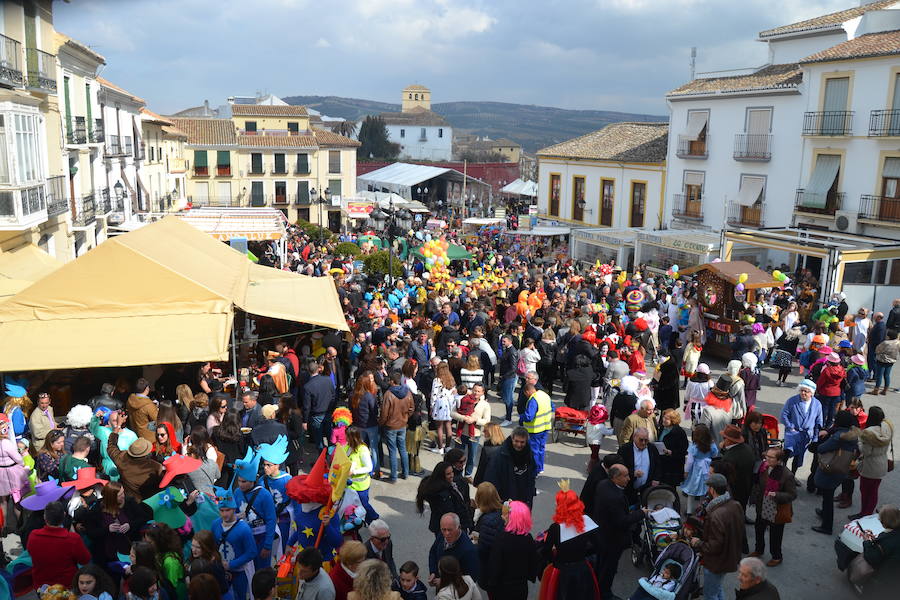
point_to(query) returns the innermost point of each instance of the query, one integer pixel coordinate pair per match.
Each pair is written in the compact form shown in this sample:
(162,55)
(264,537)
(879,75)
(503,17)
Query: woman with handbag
(874,463)
(774,494)
(836,456)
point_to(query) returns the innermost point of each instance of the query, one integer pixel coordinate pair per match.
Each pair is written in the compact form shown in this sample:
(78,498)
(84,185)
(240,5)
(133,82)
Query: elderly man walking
(753,582)
(456,543)
(723,535)
(642,418)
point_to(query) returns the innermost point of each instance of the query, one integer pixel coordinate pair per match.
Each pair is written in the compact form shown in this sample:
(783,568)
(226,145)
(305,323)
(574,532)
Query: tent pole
(234,362)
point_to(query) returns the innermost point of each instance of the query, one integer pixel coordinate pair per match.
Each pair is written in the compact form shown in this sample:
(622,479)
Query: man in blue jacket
(318,394)
(235,540)
(256,506)
(456,543)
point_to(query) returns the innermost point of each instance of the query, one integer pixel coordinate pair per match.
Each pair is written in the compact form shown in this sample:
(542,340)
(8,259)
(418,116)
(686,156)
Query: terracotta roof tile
(628,142)
(174,131)
(773,76)
(416,86)
(417,116)
(329,138)
(829,20)
(207,132)
(885,43)
(277,141)
(267,110)
(149,115)
(106,83)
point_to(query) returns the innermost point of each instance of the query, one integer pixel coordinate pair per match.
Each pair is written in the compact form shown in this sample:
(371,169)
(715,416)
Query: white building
(421,133)
(612,179)
(122,153)
(805,143)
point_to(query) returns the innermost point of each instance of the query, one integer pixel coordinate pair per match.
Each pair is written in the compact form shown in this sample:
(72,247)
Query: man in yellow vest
(537,421)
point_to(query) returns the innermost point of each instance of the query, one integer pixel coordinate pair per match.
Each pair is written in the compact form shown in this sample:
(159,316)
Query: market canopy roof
(730,271)
(23,266)
(454,252)
(483,221)
(164,293)
(399,177)
(542,231)
(520,187)
(258,223)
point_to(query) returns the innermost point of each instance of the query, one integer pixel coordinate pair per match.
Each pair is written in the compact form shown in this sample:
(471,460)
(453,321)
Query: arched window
(410,96)
(417,96)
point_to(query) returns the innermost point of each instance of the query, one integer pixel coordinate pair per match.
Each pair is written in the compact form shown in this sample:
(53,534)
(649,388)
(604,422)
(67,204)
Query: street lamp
(320,199)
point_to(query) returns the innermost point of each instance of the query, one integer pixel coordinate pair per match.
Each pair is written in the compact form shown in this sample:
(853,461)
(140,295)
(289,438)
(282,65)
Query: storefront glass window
(858,272)
(663,258)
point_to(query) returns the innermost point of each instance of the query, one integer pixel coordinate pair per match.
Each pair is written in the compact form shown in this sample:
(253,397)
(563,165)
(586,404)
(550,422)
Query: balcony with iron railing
(218,201)
(177,165)
(223,170)
(259,169)
(828,123)
(97,136)
(104,203)
(879,208)
(688,148)
(753,147)
(23,208)
(10,62)
(687,208)
(85,211)
(260,199)
(127,145)
(201,171)
(77,132)
(809,202)
(41,70)
(281,199)
(746,216)
(279,169)
(113,147)
(884,123)
(57,203)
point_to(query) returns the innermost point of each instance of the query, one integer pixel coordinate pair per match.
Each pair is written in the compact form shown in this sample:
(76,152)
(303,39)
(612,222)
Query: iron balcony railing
(57,203)
(85,211)
(279,169)
(692,148)
(884,123)
(809,202)
(879,208)
(10,62)
(259,169)
(224,201)
(260,199)
(828,122)
(201,171)
(78,133)
(746,216)
(41,70)
(223,170)
(127,145)
(97,136)
(685,207)
(281,198)
(753,146)
(104,204)
(113,147)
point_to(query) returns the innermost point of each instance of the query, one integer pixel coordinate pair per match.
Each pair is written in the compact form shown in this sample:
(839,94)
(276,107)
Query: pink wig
(519,522)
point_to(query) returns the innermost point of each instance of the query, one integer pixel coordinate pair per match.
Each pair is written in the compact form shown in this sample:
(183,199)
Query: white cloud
(322,43)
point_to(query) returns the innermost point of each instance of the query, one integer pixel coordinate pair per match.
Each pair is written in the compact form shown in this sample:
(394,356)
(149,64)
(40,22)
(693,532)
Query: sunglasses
(382,538)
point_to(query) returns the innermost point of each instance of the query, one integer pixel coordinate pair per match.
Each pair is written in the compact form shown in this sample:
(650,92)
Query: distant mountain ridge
(534,127)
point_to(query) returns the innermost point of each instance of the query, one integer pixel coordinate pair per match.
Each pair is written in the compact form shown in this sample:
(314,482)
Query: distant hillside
(532,126)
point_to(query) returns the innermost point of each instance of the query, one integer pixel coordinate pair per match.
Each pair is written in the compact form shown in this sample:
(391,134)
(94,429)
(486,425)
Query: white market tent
(479,221)
(543,231)
(384,200)
(401,178)
(521,188)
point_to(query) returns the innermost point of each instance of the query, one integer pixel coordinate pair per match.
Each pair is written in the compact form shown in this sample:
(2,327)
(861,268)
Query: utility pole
(693,61)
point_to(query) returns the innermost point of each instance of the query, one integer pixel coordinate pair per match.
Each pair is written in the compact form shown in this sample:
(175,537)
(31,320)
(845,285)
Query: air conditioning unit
(846,221)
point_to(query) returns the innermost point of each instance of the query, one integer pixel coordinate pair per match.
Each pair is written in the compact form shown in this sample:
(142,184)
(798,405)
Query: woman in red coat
(828,387)
(351,555)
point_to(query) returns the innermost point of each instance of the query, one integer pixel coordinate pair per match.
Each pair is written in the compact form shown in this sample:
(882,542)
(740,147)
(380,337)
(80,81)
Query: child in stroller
(674,576)
(661,525)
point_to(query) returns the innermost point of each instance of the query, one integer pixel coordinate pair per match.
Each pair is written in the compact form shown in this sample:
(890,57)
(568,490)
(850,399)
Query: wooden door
(638,203)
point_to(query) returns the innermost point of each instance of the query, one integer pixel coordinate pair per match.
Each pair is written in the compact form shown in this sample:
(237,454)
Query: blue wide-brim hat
(248,467)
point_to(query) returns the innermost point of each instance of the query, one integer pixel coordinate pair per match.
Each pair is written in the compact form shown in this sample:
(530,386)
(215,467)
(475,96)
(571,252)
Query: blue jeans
(372,437)
(507,391)
(470,445)
(712,585)
(883,370)
(371,513)
(396,440)
(315,430)
(829,403)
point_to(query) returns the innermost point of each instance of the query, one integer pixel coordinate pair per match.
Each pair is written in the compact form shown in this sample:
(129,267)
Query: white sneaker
(436,450)
(505,423)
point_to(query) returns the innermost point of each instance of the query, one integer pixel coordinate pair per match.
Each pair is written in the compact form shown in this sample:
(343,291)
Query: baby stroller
(660,527)
(770,424)
(681,554)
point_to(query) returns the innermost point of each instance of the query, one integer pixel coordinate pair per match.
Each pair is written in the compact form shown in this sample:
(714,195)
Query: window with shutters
(302,164)
(334,186)
(223,163)
(280,192)
(638,203)
(553,204)
(201,166)
(293,127)
(302,193)
(256,163)
(334,161)
(280,165)
(607,201)
(578,198)
(250,127)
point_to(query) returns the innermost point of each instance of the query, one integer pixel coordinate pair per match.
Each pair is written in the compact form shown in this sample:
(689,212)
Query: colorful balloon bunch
(673,272)
(742,278)
(435,253)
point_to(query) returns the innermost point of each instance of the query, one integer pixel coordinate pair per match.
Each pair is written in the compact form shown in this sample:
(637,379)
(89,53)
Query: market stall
(546,238)
(604,244)
(686,247)
(723,288)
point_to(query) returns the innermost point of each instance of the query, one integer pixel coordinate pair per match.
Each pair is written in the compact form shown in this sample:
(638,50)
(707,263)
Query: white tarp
(402,174)
(521,188)
(544,231)
(482,221)
(696,123)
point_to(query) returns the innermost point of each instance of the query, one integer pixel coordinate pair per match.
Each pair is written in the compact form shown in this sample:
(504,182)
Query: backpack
(521,367)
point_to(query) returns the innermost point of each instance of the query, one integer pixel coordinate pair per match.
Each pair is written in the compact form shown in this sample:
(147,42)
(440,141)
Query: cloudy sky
(596,54)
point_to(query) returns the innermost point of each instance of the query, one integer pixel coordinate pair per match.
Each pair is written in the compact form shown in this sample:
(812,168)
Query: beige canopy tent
(23,266)
(164,293)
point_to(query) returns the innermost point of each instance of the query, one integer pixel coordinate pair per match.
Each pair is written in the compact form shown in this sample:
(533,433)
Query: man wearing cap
(236,545)
(723,532)
(256,506)
(802,420)
(138,472)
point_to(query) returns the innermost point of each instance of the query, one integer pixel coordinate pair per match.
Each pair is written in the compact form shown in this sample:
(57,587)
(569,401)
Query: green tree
(377,263)
(347,249)
(373,137)
(345,128)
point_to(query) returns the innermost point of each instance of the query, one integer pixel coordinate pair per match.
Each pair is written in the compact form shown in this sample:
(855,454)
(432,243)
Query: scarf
(717,501)
(773,482)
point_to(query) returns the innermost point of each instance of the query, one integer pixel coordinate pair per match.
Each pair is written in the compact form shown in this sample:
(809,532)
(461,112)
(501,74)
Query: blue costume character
(236,545)
(273,456)
(101,431)
(255,505)
(309,494)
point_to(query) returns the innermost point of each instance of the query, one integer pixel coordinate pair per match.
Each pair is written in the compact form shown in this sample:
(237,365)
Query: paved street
(809,567)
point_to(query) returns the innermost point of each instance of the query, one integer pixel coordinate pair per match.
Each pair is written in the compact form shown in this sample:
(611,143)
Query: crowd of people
(175,489)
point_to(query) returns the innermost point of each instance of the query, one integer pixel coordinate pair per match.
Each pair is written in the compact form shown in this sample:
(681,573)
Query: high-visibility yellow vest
(543,415)
(361,481)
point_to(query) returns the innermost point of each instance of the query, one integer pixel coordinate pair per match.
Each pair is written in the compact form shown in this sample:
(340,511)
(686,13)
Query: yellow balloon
(743,277)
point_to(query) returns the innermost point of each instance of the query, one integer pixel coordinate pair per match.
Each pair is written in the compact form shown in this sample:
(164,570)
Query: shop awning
(816,193)
(751,189)
(255,224)
(23,266)
(164,293)
(693,178)
(696,123)
(546,231)
(732,270)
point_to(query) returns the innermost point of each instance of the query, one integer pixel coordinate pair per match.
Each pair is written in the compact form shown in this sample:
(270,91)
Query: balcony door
(257,198)
(759,124)
(638,203)
(693,193)
(578,198)
(607,201)
(889,207)
(554,195)
(837,91)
